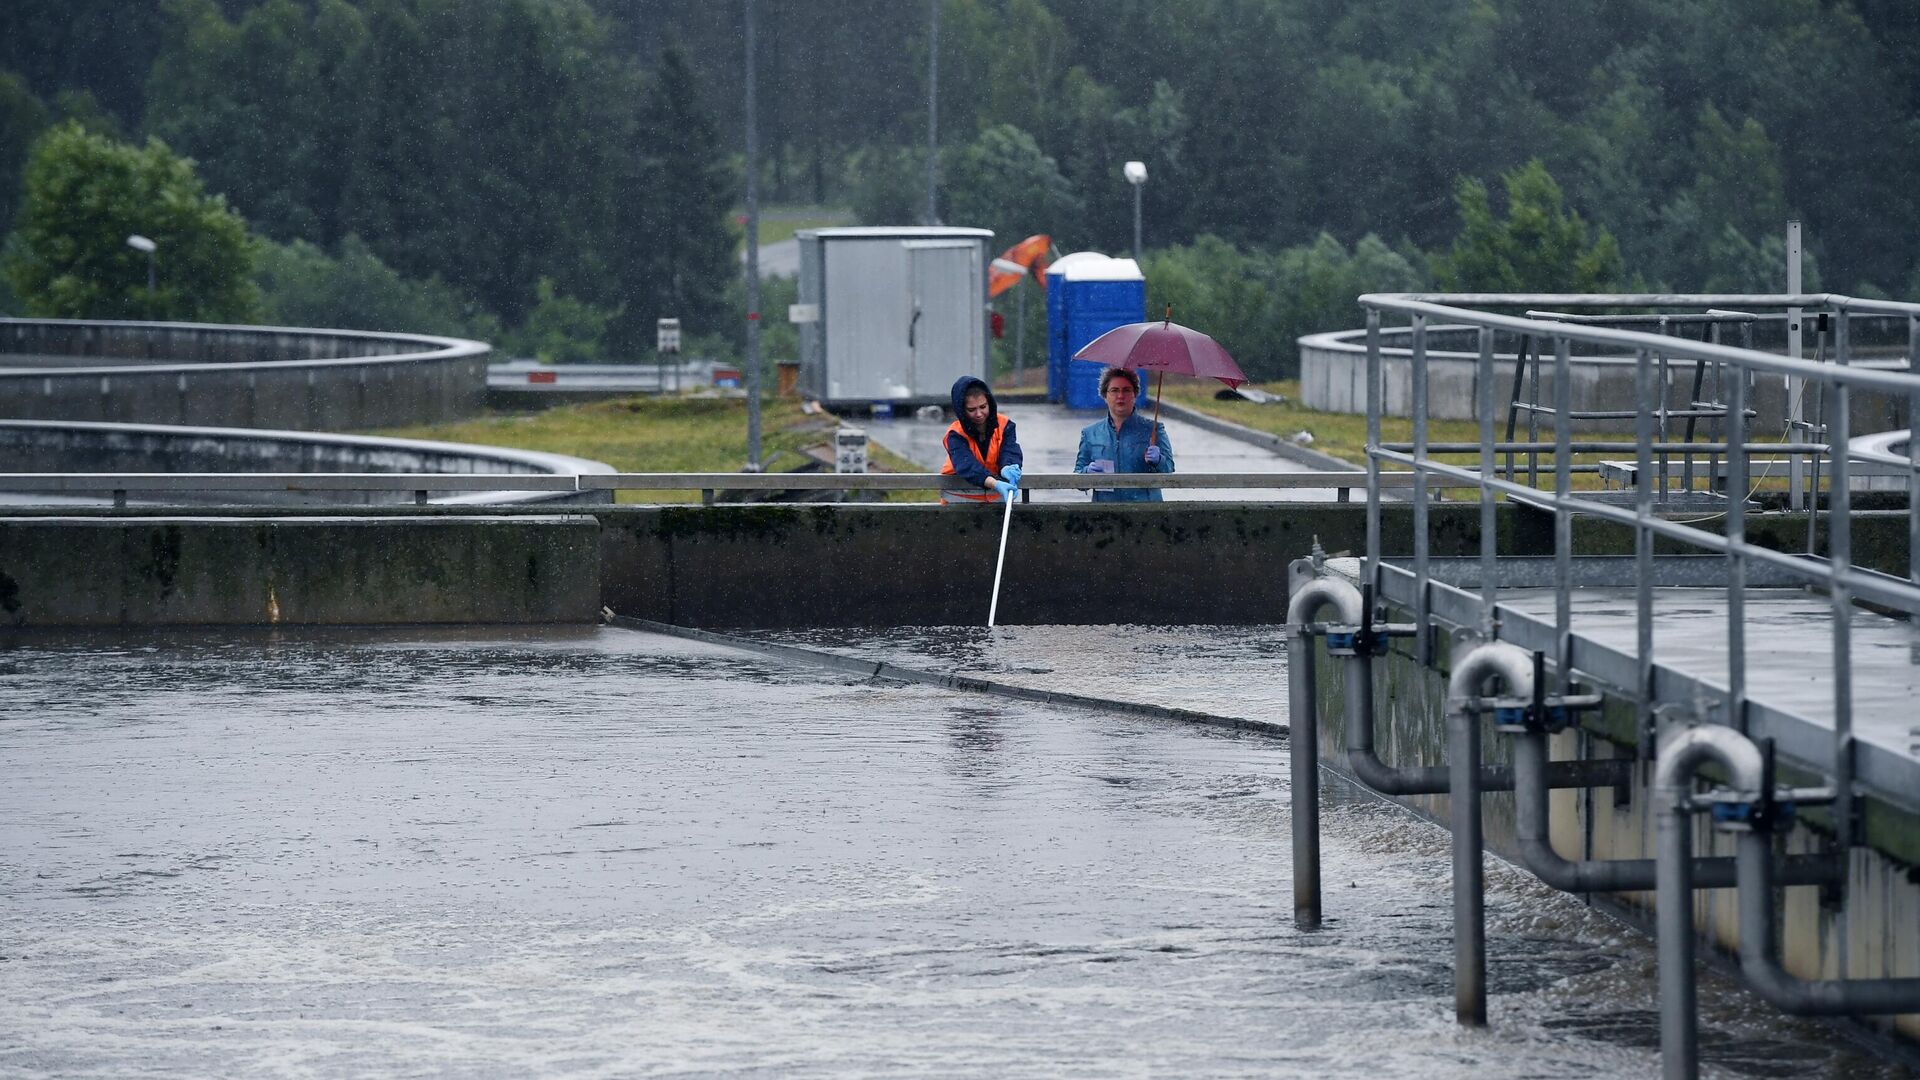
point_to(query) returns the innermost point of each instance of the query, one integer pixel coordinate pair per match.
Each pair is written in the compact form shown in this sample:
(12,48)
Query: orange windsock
(1029,256)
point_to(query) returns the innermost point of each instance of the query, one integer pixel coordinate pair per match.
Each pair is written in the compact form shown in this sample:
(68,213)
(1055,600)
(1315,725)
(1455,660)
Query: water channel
(600,852)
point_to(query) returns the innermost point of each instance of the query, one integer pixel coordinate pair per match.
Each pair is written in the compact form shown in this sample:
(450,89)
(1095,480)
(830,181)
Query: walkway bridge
(1696,693)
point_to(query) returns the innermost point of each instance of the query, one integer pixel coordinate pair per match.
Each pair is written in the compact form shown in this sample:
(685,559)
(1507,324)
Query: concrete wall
(31,446)
(171,571)
(235,376)
(1167,563)
(1333,370)
(1881,913)
(766,566)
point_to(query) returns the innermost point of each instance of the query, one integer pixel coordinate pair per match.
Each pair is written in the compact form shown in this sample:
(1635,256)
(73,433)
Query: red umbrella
(1163,346)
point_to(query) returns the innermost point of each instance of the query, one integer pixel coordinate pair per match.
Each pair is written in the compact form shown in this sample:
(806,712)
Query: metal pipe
(1801,997)
(1532,838)
(1513,667)
(1365,763)
(1303,734)
(1681,755)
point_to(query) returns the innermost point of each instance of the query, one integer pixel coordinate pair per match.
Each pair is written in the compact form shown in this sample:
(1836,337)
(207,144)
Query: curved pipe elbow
(1307,601)
(1684,752)
(1512,664)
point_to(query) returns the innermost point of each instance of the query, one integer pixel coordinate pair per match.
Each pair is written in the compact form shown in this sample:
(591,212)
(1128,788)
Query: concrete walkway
(1050,436)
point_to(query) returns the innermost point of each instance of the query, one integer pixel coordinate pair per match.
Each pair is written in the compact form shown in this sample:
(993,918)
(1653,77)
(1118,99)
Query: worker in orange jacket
(983,453)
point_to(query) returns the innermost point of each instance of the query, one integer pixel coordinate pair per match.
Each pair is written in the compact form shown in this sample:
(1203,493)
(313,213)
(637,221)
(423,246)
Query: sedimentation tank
(933,839)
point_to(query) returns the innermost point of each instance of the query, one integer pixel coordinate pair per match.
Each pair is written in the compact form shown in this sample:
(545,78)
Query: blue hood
(967,384)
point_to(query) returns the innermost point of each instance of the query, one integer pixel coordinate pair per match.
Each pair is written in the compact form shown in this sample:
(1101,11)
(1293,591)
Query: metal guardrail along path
(121,485)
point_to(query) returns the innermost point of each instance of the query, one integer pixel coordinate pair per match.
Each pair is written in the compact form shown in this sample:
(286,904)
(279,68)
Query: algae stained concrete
(175,571)
(771,567)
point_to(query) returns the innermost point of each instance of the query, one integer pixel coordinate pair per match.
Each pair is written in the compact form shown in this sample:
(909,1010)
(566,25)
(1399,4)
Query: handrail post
(1489,506)
(1423,631)
(1374,405)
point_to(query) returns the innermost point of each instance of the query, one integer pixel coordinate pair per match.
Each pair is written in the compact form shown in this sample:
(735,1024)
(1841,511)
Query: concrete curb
(875,669)
(1263,439)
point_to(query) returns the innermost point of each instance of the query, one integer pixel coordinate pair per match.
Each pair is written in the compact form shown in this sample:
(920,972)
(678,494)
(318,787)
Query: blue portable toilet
(1088,294)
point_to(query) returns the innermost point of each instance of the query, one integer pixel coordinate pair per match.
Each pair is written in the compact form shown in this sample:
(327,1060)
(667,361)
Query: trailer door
(946,331)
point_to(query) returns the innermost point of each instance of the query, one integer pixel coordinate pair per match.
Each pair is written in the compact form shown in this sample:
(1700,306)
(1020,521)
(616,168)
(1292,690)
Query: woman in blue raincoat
(1123,441)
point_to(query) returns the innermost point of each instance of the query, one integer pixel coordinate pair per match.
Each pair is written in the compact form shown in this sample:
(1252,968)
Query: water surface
(606,853)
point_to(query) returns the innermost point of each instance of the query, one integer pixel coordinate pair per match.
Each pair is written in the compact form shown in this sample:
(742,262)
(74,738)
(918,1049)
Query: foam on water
(603,853)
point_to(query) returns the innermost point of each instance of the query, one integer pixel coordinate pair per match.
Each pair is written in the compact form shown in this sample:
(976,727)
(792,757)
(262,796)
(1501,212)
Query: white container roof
(900,232)
(1094,266)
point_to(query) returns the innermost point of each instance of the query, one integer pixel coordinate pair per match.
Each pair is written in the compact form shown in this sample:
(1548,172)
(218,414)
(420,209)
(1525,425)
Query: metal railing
(421,485)
(1833,572)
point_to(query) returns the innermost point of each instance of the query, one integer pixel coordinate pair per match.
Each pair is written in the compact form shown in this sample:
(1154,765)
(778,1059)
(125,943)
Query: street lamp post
(754,463)
(933,112)
(1136,174)
(141,243)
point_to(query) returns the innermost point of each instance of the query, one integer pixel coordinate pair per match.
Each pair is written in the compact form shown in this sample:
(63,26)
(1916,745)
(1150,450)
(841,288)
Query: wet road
(606,853)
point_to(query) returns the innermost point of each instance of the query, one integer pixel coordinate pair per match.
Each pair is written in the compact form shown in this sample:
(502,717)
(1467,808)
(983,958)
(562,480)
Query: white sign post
(666,343)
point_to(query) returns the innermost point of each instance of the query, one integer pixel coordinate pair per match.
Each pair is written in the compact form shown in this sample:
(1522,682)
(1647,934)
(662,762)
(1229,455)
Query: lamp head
(141,243)
(1135,172)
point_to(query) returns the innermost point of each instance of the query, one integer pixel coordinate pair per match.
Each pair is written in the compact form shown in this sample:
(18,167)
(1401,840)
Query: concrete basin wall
(775,566)
(45,446)
(235,376)
(1333,371)
(1879,923)
(315,571)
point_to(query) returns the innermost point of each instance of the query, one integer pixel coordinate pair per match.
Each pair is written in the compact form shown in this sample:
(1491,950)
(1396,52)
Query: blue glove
(1011,474)
(1153,454)
(1005,489)
(1096,467)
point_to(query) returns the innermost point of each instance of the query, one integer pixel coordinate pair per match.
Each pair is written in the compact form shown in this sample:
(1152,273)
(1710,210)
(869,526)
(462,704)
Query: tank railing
(1752,806)
(1835,382)
(1695,409)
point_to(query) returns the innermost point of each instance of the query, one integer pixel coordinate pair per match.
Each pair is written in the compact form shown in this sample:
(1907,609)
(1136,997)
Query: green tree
(1540,246)
(560,329)
(1317,285)
(85,194)
(1002,181)
(266,104)
(22,118)
(487,148)
(301,285)
(888,186)
(674,253)
(1258,304)
(102,48)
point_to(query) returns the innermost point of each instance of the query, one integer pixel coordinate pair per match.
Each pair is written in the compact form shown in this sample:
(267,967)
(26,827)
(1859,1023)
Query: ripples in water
(604,853)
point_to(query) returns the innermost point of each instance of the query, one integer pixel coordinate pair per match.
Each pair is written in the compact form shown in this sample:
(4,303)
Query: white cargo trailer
(891,314)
